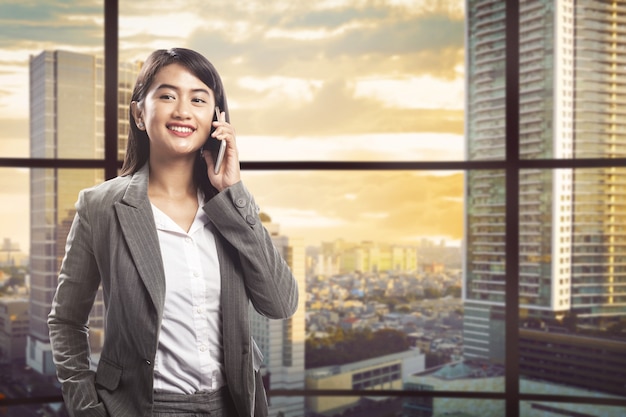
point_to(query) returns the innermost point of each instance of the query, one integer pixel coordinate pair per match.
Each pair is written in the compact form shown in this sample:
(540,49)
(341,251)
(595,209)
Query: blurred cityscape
(422,304)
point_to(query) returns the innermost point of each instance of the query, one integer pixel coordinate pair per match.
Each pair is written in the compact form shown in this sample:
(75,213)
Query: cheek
(150,113)
(205,120)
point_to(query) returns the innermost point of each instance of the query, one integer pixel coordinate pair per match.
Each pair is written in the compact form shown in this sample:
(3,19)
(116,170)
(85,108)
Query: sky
(321,80)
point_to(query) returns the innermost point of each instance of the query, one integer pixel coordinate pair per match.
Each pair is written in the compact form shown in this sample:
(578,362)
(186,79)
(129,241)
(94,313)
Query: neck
(172,178)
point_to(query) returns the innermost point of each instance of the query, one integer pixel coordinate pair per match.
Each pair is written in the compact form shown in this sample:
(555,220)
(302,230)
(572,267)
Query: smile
(181,129)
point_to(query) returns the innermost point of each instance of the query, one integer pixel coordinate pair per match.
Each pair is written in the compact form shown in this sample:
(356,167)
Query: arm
(267,277)
(68,320)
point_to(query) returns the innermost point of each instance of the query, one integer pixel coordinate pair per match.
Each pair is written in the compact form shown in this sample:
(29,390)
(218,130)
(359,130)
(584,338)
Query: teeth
(181,129)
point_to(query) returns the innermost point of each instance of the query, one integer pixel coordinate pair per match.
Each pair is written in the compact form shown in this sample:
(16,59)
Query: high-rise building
(282,341)
(13,328)
(66,121)
(572,231)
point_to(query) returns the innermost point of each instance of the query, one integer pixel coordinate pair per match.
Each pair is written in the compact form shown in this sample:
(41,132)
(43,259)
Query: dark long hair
(138,146)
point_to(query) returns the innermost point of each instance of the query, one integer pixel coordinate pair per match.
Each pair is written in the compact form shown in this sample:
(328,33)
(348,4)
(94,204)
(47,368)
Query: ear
(135,108)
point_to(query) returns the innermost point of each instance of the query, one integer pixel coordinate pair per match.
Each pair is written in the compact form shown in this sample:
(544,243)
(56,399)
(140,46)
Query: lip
(180,129)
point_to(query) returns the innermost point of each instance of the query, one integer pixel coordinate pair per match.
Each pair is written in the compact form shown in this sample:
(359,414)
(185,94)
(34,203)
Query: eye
(198,100)
(166,97)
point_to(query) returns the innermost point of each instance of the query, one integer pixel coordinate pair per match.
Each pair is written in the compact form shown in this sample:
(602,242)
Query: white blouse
(190,354)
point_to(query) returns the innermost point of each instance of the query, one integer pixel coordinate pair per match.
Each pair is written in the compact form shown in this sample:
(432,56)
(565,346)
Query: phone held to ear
(216,146)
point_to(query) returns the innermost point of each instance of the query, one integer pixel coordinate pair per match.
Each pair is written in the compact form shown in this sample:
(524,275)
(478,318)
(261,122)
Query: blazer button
(148,362)
(240,202)
(251,220)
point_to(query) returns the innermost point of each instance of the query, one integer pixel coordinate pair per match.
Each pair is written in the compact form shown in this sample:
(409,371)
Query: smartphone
(216,146)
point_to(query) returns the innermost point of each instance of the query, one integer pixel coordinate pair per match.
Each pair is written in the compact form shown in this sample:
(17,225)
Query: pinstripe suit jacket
(113,242)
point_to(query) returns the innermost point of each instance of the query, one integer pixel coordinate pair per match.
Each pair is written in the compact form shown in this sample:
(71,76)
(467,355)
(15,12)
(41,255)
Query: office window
(377,141)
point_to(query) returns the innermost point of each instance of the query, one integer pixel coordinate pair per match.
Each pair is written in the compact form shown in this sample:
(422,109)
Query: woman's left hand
(229,172)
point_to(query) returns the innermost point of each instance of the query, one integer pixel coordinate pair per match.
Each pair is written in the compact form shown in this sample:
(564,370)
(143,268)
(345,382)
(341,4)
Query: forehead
(177,75)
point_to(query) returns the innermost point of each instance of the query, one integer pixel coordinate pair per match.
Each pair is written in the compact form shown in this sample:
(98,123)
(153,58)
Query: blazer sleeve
(68,319)
(269,282)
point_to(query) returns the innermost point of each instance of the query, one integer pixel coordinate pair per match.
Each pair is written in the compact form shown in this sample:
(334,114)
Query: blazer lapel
(137,223)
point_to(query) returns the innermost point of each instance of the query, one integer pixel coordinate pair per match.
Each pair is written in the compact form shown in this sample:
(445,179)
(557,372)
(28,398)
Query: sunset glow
(325,80)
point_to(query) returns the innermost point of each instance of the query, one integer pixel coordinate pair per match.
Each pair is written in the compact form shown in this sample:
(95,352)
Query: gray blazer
(113,242)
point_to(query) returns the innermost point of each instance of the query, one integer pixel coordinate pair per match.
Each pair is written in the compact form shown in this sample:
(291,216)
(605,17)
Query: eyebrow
(173,87)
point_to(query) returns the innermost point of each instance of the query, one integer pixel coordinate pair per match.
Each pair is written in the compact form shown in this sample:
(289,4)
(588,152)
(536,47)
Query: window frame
(511,166)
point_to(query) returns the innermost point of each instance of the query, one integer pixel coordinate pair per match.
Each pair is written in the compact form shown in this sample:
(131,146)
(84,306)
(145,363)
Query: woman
(180,253)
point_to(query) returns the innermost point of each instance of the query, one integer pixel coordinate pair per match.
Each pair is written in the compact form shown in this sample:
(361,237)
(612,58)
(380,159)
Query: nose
(181,110)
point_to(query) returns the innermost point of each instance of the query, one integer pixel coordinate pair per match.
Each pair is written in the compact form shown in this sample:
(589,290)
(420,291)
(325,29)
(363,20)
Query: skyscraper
(571,232)
(282,341)
(66,121)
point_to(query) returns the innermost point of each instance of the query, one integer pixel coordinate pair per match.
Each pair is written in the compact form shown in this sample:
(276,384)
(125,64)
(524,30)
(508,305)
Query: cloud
(399,36)
(387,206)
(294,72)
(357,147)
(334,110)
(277,88)
(414,92)
(376,41)
(372,42)
(297,218)
(14,141)
(13,183)
(14,211)
(76,23)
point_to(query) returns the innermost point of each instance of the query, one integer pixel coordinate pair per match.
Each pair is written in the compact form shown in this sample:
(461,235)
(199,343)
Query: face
(177,113)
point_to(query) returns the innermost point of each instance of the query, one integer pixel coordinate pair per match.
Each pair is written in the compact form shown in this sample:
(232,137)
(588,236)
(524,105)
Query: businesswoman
(180,253)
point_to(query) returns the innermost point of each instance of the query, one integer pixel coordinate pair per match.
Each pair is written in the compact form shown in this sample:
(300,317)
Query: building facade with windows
(467,376)
(572,240)
(282,341)
(381,373)
(66,121)
(13,328)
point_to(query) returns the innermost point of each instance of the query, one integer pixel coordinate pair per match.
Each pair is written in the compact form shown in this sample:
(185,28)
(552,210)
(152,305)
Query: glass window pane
(403,406)
(413,261)
(38,208)
(381,263)
(321,81)
(484,272)
(348,407)
(485,127)
(537,408)
(394,207)
(573,281)
(51,72)
(542,94)
(14,206)
(597,54)
(572,80)
(54,193)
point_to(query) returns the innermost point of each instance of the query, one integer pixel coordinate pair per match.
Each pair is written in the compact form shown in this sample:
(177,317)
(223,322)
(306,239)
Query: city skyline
(397,96)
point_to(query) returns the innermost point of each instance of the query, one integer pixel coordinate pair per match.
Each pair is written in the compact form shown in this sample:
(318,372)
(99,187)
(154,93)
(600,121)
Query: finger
(224,132)
(219,125)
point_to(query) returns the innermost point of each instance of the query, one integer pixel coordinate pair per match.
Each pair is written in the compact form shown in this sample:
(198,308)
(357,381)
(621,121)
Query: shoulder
(105,194)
